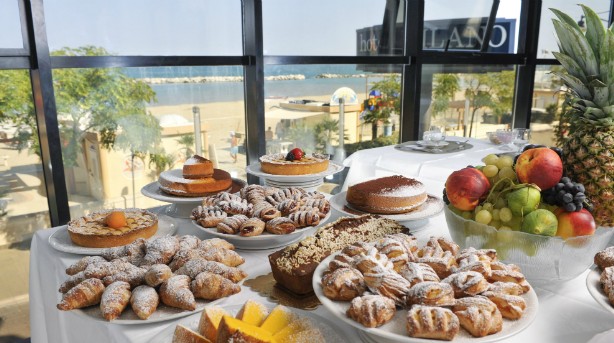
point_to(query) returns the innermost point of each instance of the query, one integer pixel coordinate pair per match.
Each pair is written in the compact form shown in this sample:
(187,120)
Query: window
(547,106)
(10,26)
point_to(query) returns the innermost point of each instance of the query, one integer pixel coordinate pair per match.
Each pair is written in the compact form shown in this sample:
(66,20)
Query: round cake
(92,231)
(197,167)
(277,164)
(386,195)
(173,182)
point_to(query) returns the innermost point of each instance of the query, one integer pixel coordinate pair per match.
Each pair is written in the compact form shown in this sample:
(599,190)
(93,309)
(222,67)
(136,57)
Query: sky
(213,27)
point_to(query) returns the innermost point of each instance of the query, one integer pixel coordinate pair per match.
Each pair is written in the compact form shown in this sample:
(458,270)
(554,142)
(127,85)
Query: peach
(540,166)
(116,219)
(466,187)
(572,224)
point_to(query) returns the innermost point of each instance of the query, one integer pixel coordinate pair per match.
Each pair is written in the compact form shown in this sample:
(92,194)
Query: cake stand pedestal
(309,182)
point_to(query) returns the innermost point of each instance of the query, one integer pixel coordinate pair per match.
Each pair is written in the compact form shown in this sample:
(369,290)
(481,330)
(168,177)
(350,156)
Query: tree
(388,103)
(187,143)
(444,88)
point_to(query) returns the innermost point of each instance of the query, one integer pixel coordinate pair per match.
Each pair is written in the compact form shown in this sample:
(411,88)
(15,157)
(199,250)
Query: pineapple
(588,60)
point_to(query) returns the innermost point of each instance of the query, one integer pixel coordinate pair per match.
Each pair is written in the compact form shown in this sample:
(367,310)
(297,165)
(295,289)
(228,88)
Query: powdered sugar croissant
(85,294)
(211,286)
(199,265)
(176,292)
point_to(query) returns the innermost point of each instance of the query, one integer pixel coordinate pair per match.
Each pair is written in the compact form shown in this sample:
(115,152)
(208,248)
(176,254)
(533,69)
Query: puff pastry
(194,267)
(343,284)
(467,283)
(431,294)
(231,225)
(432,322)
(479,316)
(280,226)
(418,272)
(510,306)
(157,274)
(251,227)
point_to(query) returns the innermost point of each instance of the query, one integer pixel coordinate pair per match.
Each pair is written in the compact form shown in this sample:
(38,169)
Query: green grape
(505,161)
(495,214)
(505,228)
(477,209)
(515,223)
(500,203)
(490,170)
(507,173)
(505,214)
(483,217)
(487,206)
(490,159)
(495,223)
(467,215)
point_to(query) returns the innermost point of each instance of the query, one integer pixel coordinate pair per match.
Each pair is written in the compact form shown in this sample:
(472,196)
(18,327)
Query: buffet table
(567,312)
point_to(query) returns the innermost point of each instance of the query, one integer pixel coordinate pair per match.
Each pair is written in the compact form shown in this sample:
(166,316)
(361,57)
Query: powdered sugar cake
(387,195)
(174,182)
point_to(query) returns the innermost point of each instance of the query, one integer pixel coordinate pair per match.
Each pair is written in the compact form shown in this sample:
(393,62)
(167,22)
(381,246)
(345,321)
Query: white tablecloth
(567,312)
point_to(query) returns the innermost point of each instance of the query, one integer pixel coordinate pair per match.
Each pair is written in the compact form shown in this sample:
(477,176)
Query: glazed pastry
(444,244)
(160,250)
(467,284)
(510,306)
(175,292)
(343,284)
(231,225)
(132,274)
(114,300)
(80,265)
(265,211)
(371,310)
(395,252)
(432,322)
(251,227)
(431,294)
(85,294)
(211,286)
(510,288)
(132,253)
(157,274)
(605,258)
(304,218)
(418,272)
(288,206)
(479,316)
(441,261)
(280,226)
(215,243)
(72,281)
(389,284)
(208,216)
(144,301)
(194,267)
(188,242)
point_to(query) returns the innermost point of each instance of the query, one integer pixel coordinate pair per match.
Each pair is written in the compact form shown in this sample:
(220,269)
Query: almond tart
(92,231)
(308,164)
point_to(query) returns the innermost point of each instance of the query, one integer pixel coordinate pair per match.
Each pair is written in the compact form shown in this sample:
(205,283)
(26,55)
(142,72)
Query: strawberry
(295,154)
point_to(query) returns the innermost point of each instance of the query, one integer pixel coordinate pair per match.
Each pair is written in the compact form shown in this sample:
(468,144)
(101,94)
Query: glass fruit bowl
(541,258)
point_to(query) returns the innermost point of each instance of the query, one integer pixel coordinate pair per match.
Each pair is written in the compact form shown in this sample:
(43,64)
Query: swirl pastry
(371,310)
(85,294)
(231,225)
(175,292)
(196,266)
(343,284)
(211,286)
(209,216)
(418,272)
(288,206)
(114,300)
(510,306)
(305,218)
(144,301)
(157,274)
(280,226)
(432,322)
(467,283)
(479,316)
(80,265)
(251,227)
(431,294)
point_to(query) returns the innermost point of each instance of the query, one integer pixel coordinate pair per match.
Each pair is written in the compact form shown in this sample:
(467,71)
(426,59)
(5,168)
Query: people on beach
(234,145)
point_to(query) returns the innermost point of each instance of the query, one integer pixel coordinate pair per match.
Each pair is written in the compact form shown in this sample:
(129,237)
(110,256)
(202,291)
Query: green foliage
(445,86)
(390,88)
(187,143)
(378,142)
(159,161)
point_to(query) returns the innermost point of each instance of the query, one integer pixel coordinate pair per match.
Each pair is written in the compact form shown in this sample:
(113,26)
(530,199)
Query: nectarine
(540,166)
(572,224)
(466,187)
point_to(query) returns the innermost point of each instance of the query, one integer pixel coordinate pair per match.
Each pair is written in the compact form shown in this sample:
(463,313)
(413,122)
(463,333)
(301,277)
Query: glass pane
(302,110)
(468,100)
(460,25)
(340,28)
(10,26)
(547,36)
(146,27)
(122,127)
(547,107)
(23,197)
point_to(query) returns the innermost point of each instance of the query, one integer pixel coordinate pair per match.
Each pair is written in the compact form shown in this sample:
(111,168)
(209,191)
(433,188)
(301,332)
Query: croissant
(181,257)
(131,253)
(160,250)
(72,281)
(188,242)
(196,266)
(144,301)
(85,294)
(157,274)
(133,275)
(209,216)
(227,257)
(211,286)
(114,300)
(100,270)
(231,225)
(288,206)
(80,265)
(215,243)
(280,226)
(432,322)
(251,227)
(372,310)
(343,284)
(175,292)
(265,211)
(305,218)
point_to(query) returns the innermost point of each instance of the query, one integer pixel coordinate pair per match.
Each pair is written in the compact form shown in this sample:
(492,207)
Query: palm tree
(388,103)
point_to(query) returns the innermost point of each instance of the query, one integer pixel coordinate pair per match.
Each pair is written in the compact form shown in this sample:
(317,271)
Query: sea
(168,94)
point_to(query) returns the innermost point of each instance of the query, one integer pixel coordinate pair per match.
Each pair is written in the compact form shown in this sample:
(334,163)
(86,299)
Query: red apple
(572,224)
(540,166)
(466,187)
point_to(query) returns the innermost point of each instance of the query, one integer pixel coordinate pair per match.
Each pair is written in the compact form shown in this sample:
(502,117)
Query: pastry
(185,335)
(441,261)
(197,167)
(479,316)
(395,251)
(71,282)
(510,306)
(343,284)
(445,245)
(196,266)
(92,230)
(432,322)
(372,262)
(225,256)
(144,301)
(389,284)
(100,270)
(288,206)
(175,292)
(305,218)
(208,216)
(210,243)
(173,183)
(160,250)
(265,211)
(321,204)
(80,265)
(341,260)
(231,225)
(85,294)
(386,195)
(511,288)
(606,279)
(131,274)
(418,272)
(605,258)
(356,248)
(509,275)
(467,284)
(251,227)
(371,310)
(294,265)
(278,165)
(280,226)
(431,294)
(114,300)
(475,264)
(233,207)
(211,286)
(156,274)
(132,253)
(210,320)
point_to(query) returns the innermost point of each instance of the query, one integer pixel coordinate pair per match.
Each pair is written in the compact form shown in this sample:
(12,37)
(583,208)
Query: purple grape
(570,207)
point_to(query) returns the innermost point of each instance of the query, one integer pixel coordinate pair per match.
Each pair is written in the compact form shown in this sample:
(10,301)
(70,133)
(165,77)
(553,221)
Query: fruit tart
(295,162)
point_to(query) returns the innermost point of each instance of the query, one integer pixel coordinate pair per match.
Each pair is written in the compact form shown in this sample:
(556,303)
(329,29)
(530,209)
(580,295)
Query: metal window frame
(36,58)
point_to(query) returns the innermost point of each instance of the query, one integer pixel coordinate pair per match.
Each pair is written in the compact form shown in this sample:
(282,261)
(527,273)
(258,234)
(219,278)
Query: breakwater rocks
(207,79)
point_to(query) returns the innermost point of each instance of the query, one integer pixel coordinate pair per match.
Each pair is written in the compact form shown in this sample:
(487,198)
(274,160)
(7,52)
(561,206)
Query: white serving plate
(329,330)
(395,331)
(333,168)
(60,240)
(432,207)
(594,288)
(265,240)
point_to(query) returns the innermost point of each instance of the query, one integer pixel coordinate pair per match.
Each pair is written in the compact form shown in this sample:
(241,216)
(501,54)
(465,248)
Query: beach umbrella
(347,94)
(375,93)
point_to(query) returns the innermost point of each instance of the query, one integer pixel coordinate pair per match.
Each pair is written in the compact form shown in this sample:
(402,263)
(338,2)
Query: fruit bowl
(540,257)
